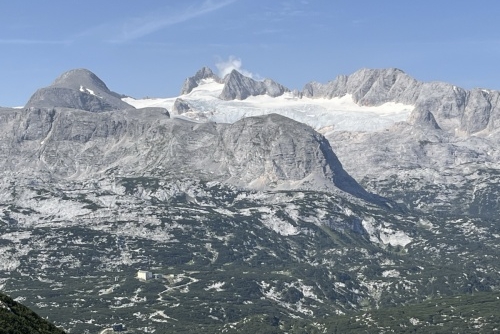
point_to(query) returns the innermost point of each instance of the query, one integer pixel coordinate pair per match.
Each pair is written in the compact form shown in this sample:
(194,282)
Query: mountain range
(257,207)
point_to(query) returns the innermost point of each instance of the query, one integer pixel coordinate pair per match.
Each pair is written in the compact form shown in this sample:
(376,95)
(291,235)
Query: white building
(144,275)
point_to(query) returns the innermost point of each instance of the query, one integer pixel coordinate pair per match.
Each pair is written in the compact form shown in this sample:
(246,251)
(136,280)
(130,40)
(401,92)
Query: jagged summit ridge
(237,86)
(78,89)
(193,82)
(367,86)
(452,108)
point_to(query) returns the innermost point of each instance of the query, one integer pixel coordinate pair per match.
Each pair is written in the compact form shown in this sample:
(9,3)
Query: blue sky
(147,48)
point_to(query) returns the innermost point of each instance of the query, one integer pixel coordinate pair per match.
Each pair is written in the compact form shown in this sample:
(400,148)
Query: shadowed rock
(181,106)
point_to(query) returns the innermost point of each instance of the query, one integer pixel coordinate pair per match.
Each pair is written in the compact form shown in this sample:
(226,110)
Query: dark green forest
(16,318)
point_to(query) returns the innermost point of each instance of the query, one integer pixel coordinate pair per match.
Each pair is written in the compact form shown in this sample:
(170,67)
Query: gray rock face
(423,118)
(446,102)
(239,87)
(368,87)
(77,89)
(77,78)
(266,152)
(193,82)
(181,106)
(480,105)
(451,108)
(426,168)
(275,150)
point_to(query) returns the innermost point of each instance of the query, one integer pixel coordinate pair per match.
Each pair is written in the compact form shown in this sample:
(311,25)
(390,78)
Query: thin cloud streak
(32,42)
(137,28)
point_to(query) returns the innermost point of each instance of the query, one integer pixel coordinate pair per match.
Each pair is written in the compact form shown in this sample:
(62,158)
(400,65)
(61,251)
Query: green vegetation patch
(18,319)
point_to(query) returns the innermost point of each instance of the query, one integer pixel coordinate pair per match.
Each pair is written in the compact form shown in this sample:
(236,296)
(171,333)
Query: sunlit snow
(335,114)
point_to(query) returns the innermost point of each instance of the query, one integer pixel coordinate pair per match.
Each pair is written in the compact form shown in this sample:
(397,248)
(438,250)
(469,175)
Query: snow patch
(88,91)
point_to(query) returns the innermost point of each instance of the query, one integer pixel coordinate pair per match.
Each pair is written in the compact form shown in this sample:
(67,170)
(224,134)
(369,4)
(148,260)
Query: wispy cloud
(135,28)
(233,63)
(33,42)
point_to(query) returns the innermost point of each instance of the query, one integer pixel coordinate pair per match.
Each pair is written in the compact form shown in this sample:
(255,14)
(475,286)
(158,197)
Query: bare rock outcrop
(180,106)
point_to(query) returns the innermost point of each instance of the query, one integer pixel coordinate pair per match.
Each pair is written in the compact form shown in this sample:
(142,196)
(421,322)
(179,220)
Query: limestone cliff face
(275,150)
(78,89)
(441,104)
(88,130)
(265,152)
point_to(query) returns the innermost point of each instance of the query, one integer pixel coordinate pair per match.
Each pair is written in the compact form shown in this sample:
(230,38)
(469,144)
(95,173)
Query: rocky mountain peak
(78,89)
(193,82)
(368,87)
(80,77)
(205,73)
(239,87)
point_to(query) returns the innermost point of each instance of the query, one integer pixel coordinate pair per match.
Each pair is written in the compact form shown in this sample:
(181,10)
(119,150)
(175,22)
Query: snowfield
(325,115)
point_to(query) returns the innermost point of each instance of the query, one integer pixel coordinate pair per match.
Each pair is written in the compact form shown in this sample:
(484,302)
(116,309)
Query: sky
(148,48)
